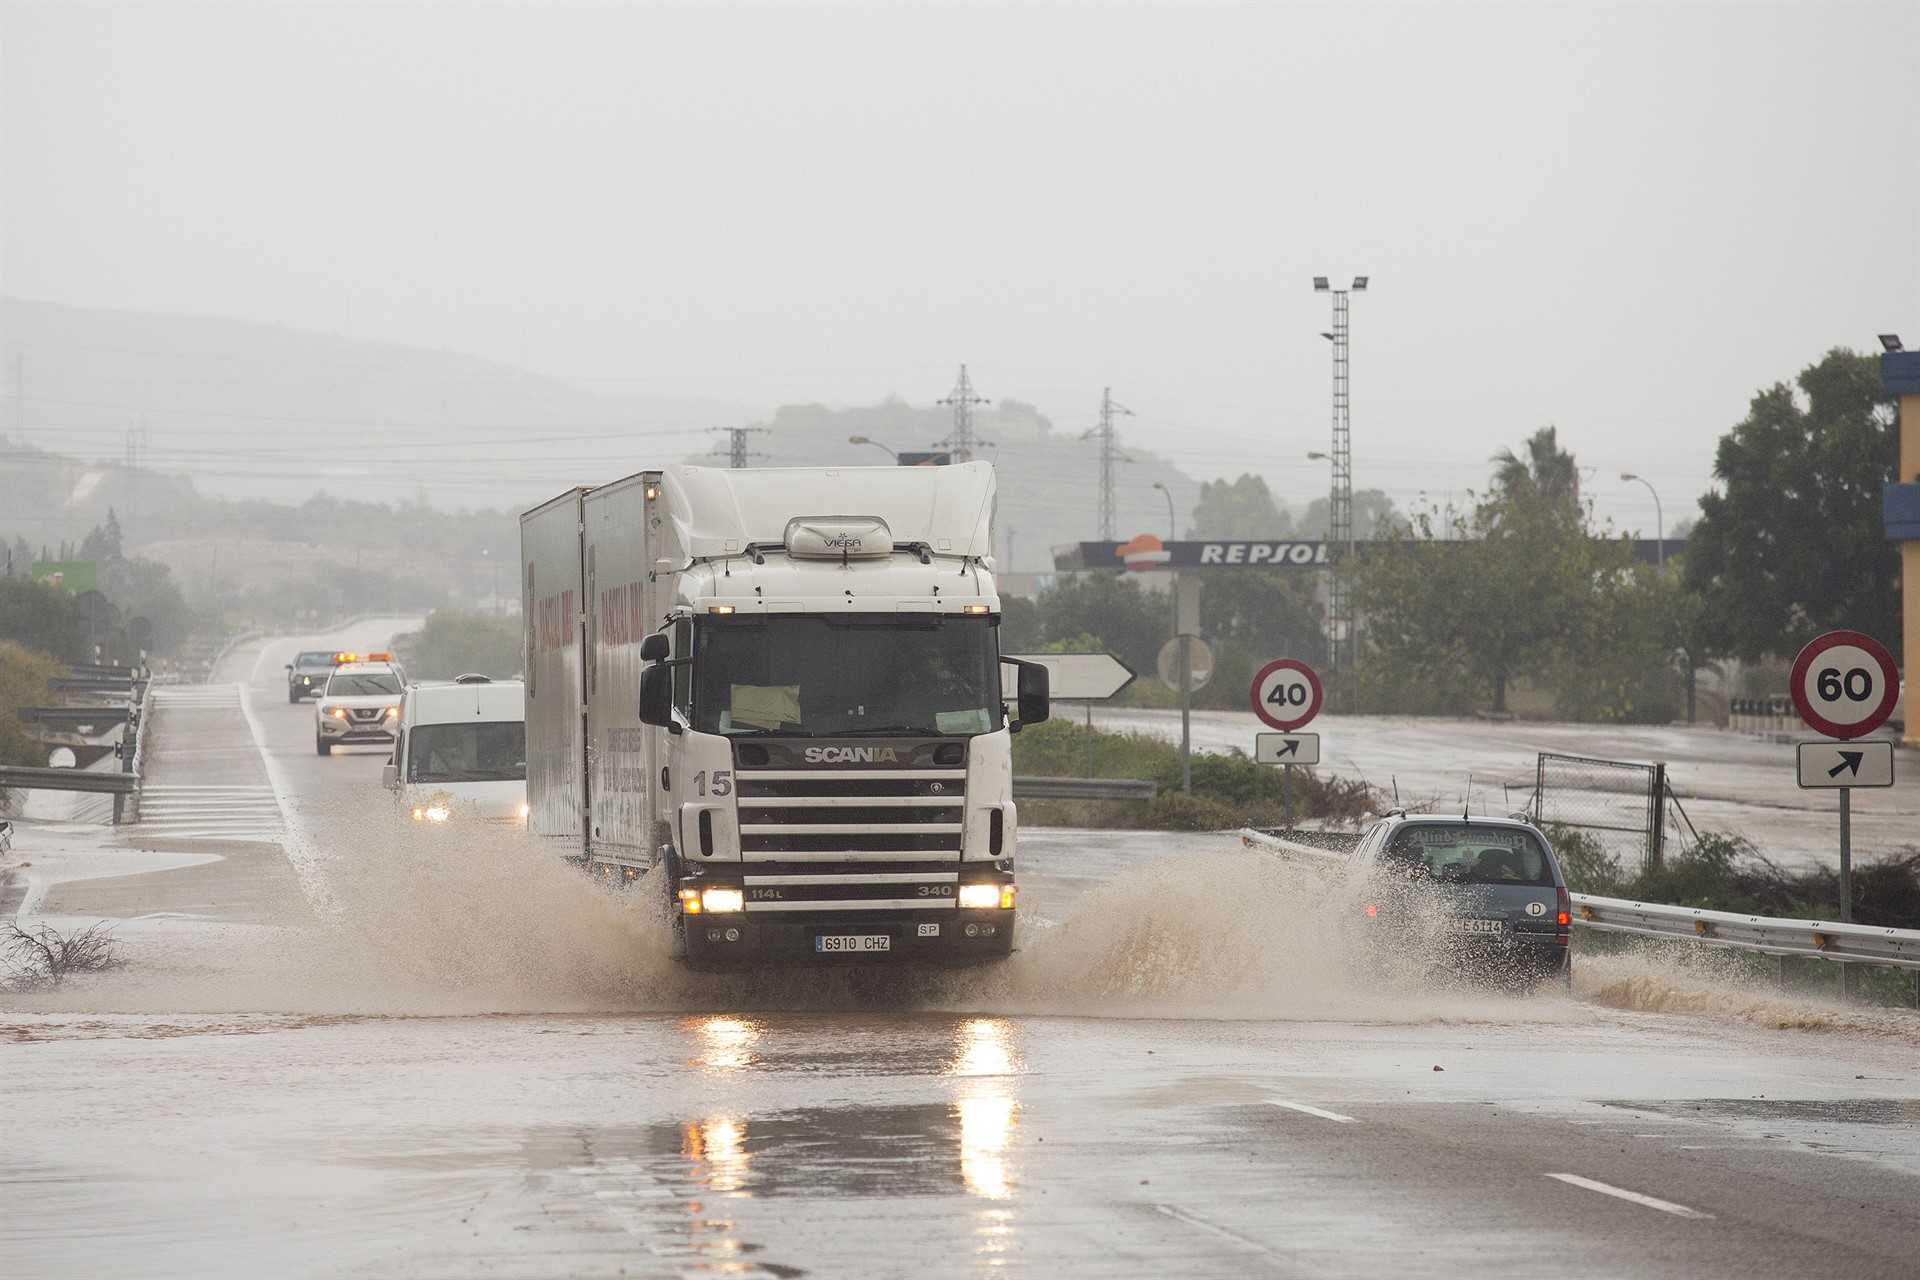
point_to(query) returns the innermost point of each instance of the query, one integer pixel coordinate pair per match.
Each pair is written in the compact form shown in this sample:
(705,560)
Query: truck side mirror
(1032,697)
(654,648)
(656,697)
(390,776)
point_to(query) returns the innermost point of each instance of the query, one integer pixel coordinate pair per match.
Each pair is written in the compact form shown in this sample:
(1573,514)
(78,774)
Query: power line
(960,441)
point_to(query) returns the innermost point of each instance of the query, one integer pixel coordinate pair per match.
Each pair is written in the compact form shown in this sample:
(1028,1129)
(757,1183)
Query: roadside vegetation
(1517,601)
(453,643)
(23,683)
(44,956)
(1228,790)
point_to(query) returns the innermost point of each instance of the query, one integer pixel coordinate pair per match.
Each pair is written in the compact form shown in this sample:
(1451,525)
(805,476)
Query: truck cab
(460,753)
(801,717)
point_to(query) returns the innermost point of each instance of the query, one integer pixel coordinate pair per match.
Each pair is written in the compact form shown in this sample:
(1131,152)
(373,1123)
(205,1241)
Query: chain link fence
(1620,804)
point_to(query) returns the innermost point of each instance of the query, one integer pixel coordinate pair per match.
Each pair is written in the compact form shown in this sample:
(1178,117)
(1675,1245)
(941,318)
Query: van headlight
(525,810)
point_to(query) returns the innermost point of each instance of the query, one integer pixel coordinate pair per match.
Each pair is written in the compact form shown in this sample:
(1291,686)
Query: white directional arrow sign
(1079,677)
(1286,748)
(1833,765)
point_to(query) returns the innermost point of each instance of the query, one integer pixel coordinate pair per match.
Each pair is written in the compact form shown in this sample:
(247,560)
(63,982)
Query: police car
(360,703)
(1481,897)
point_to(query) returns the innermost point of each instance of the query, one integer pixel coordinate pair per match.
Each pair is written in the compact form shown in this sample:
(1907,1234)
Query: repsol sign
(1146,553)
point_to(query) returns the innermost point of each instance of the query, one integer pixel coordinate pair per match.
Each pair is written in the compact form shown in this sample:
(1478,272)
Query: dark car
(1475,896)
(307,673)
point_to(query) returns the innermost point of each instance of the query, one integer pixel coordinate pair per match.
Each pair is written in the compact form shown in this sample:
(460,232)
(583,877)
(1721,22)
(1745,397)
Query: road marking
(1179,1215)
(1304,1109)
(1634,1197)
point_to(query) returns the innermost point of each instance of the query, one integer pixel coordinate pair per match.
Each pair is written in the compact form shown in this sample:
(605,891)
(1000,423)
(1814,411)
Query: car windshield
(367,684)
(879,674)
(1467,853)
(314,658)
(468,751)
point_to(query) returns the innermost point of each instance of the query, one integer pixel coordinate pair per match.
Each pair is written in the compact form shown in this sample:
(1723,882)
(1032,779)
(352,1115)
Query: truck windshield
(468,751)
(803,676)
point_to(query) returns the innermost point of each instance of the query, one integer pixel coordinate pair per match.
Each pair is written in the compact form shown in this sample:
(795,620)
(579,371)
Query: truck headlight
(715,900)
(525,810)
(985,897)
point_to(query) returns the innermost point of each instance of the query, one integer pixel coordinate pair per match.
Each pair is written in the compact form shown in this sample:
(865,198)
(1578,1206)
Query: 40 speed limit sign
(1287,694)
(1844,684)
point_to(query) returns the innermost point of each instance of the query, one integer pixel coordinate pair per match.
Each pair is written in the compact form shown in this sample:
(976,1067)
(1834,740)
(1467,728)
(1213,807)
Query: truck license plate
(863,942)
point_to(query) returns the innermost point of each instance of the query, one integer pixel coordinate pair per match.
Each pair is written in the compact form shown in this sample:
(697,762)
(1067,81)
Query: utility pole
(960,441)
(20,398)
(736,445)
(1109,454)
(1340,631)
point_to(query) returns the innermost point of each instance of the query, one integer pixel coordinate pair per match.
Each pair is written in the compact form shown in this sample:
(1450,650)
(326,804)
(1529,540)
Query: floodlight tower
(960,441)
(1340,634)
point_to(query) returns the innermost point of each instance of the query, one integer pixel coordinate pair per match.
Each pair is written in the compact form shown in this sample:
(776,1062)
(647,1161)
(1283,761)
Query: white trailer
(800,714)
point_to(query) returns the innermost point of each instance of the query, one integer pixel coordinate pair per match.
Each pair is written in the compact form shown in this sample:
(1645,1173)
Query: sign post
(1185,664)
(1287,694)
(1845,685)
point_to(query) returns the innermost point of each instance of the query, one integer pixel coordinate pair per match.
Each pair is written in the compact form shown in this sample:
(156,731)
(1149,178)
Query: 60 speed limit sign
(1286,694)
(1844,684)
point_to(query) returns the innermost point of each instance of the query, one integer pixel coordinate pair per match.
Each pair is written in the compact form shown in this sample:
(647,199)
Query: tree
(41,617)
(1792,545)
(1547,470)
(1374,517)
(103,542)
(1111,608)
(453,643)
(1242,508)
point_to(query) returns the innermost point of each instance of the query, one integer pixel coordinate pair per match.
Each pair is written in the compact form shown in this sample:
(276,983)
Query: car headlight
(525,810)
(714,900)
(393,713)
(338,713)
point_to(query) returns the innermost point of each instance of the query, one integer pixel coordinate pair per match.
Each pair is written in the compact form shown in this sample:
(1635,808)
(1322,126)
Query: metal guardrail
(1770,935)
(1821,939)
(99,782)
(75,716)
(1083,789)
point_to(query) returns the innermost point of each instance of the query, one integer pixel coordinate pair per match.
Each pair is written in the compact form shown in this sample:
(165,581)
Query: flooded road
(346,1050)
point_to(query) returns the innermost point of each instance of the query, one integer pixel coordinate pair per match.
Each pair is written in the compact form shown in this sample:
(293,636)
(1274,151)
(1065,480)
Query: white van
(460,751)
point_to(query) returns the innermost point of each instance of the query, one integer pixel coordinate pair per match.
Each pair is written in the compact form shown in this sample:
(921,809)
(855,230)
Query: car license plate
(835,943)
(1483,926)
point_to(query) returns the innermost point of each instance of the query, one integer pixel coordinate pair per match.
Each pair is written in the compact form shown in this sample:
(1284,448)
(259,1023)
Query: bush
(453,643)
(23,683)
(1228,791)
(45,957)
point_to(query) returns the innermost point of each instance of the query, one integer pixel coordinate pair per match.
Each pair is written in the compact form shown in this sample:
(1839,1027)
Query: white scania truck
(786,685)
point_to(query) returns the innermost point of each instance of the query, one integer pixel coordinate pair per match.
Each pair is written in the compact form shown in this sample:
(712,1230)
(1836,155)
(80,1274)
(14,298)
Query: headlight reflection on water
(718,1148)
(726,1044)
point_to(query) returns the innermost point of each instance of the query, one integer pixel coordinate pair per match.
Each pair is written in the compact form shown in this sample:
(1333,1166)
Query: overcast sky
(1620,218)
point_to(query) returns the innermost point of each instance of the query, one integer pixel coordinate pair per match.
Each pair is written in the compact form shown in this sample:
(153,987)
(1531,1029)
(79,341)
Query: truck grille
(899,810)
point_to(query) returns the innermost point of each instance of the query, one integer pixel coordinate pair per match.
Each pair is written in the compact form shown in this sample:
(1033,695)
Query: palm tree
(1547,470)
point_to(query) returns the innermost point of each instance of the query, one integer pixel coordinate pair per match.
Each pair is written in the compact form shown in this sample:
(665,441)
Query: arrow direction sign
(1076,677)
(1286,748)
(1844,765)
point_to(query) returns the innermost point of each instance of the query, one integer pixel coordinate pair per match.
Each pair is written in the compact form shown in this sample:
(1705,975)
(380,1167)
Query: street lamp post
(1173,528)
(1659,520)
(891,453)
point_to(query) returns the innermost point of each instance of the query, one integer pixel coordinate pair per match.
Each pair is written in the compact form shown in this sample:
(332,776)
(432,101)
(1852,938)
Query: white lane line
(1304,1109)
(1632,1197)
(1224,1233)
